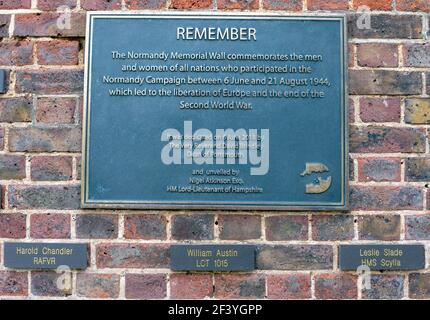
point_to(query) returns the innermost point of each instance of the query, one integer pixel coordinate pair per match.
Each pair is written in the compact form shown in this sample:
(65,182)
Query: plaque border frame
(343,205)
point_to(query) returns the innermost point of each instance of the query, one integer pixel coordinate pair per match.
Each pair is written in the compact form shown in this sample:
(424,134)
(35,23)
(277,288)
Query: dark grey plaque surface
(212,257)
(382,257)
(45,255)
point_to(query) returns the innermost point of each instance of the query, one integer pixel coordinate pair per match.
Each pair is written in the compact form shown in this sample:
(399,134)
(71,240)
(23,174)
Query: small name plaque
(45,255)
(382,257)
(2,81)
(212,257)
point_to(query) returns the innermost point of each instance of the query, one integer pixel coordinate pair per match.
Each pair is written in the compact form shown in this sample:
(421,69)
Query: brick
(375,139)
(288,5)
(376,55)
(15,4)
(385,198)
(4,25)
(33,139)
(50,226)
(16,109)
(419,285)
(193,227)
(417,227)
(413,5)
(58,52)
(16,53)
(238,4)
(374,169)
(289,286)
(13,283)
(147,226)
(50,81)
(44,283)
(380,109)
(382,5)
(53,5)
(12,167)
(294,257)
(191,286)
(417,169)
(386,26)
(12,226)
(44,197)
(239,227)
(240,286)
(284,228)
(351,110)
(416,55)
(1,138)
(145,4)
(78,167)
(140,256)
(384,82)
(428,200)
(96,226)
(97,286)
(379,227)
(328,4)
(191,4)
(49,24)
(417,111)
(335,286)
(46,168)
(351,169)
(428,80)
(351,53)
(55,110)
(332,227)
(80,110)
(145,286)
(101,4)
(385,287)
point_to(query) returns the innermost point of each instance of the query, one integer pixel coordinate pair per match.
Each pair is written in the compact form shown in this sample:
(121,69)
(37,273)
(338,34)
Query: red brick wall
(40,142)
